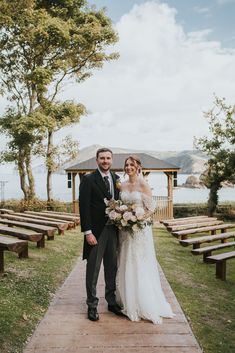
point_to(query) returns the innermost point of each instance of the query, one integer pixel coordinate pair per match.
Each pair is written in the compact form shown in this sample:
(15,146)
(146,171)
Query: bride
(138,287)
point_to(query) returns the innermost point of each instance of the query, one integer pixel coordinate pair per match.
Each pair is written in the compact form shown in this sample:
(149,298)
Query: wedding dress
(138,287)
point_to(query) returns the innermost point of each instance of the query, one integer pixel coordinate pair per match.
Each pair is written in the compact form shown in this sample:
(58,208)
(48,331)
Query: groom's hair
(103,149)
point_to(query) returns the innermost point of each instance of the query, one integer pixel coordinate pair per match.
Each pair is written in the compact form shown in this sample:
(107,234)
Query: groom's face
(104,161)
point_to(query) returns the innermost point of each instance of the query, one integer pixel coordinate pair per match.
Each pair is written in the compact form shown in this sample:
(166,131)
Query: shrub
(36,205)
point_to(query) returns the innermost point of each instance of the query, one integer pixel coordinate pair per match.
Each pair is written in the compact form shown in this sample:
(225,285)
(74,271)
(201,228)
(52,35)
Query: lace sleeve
(149,203)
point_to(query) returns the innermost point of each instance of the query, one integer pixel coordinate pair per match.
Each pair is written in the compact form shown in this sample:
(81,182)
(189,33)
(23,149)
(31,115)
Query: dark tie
(107,184)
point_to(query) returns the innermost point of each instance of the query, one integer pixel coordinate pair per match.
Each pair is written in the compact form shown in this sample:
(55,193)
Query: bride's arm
(147,200)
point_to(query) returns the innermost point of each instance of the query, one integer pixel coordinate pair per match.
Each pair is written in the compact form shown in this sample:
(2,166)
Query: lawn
(208,303)
(28,285)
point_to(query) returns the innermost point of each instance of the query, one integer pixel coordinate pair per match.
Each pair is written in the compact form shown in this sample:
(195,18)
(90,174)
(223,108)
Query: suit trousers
(106,249)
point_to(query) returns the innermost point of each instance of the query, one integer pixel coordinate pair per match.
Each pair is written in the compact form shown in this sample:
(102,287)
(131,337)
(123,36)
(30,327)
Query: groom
(100,239)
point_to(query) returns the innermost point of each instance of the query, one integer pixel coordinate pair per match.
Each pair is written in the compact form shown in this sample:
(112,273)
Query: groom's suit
(92,193)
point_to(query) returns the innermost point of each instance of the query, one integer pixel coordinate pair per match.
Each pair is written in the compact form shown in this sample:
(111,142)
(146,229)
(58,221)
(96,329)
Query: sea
(10,188)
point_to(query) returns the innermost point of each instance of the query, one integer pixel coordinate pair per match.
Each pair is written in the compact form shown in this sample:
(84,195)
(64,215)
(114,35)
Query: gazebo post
(170,192)
(74,202)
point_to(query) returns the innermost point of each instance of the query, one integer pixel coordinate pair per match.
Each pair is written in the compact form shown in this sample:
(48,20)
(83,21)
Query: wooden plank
(16,245)
(221,257)
(19,233)
(112,334)
(207,250)
(5,210)
(220,261)
(62,213)
(34,216)
(196,242)
(46,230)
(209,222)
(185,233)
(177,220)
(76,220)
(60,226)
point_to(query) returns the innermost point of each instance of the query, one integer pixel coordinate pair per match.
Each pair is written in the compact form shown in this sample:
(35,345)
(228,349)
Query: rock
(193,182)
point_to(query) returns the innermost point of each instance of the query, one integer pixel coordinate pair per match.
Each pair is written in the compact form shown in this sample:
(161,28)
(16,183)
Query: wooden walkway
(66,329)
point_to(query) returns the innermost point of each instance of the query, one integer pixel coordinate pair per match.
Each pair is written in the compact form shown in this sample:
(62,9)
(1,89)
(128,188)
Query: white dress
(138,287)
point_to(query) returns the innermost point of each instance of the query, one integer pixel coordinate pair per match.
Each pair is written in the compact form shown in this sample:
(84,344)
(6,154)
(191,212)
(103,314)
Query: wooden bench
(15,245)
(63,213)
(207,250)
(183,234)
(46,230)
(182,220)
(76,220)
(34,216)
(60,226)
(196,242)
(25,235)
(220,261)
(5,210)
(206,223)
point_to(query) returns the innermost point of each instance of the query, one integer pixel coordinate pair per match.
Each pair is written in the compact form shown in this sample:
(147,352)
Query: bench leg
(205,256)
(184,237)
(213,232)
(24,254)
(41,243)
(221,270)
(196,246)
(1,260)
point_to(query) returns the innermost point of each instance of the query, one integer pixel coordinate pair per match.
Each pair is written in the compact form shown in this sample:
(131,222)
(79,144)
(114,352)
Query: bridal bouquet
(130,217)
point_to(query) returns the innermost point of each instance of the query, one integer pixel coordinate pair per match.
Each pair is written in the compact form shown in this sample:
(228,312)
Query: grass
(208,303)
(28,285)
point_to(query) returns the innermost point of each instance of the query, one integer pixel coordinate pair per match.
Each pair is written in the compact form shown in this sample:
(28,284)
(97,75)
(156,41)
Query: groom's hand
(91,239)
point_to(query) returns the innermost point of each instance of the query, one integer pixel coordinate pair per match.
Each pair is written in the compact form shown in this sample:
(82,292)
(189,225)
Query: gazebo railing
(164,208)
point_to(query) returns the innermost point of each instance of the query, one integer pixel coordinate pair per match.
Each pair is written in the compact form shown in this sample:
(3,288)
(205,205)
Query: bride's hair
(136,161)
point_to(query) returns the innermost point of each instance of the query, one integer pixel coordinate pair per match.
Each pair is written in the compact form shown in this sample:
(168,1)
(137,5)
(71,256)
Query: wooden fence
(164,208)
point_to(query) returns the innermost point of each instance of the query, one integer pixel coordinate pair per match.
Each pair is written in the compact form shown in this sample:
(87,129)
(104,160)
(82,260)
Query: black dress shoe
(93,314)
(115,309)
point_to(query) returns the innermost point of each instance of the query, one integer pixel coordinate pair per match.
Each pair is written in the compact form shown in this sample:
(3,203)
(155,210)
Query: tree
(43,44)
(25,136)
(220,147)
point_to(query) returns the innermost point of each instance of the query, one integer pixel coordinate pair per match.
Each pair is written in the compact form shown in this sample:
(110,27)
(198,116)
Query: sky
(174,57)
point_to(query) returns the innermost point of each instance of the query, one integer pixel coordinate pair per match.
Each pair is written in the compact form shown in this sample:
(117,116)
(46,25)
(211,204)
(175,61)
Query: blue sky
(194,15)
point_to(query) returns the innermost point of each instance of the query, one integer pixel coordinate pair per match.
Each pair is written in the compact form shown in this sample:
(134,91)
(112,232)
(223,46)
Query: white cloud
(154,95)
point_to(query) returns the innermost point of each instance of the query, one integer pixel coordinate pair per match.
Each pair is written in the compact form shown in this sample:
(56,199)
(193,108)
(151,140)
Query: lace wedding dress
(138,287)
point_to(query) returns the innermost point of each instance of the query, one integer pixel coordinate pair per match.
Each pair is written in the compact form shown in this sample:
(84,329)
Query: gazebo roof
(148,162)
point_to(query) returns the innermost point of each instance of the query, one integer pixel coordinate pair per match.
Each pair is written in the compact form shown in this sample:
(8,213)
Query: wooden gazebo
(150,164)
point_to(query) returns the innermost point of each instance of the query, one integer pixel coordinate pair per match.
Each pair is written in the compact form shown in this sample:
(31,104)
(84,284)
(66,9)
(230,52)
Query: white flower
(139,211)
(127,216)
(135,228)
(107,210)
(123,207)
(113,215)
(119,216)
(123,222)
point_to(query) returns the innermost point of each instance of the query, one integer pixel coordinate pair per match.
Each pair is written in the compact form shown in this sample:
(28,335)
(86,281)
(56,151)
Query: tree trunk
(22,173)
(30,176)
(50,164)
(213,199)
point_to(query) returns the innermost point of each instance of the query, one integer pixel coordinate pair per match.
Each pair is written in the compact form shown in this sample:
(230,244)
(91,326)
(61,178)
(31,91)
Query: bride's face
(130,168)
